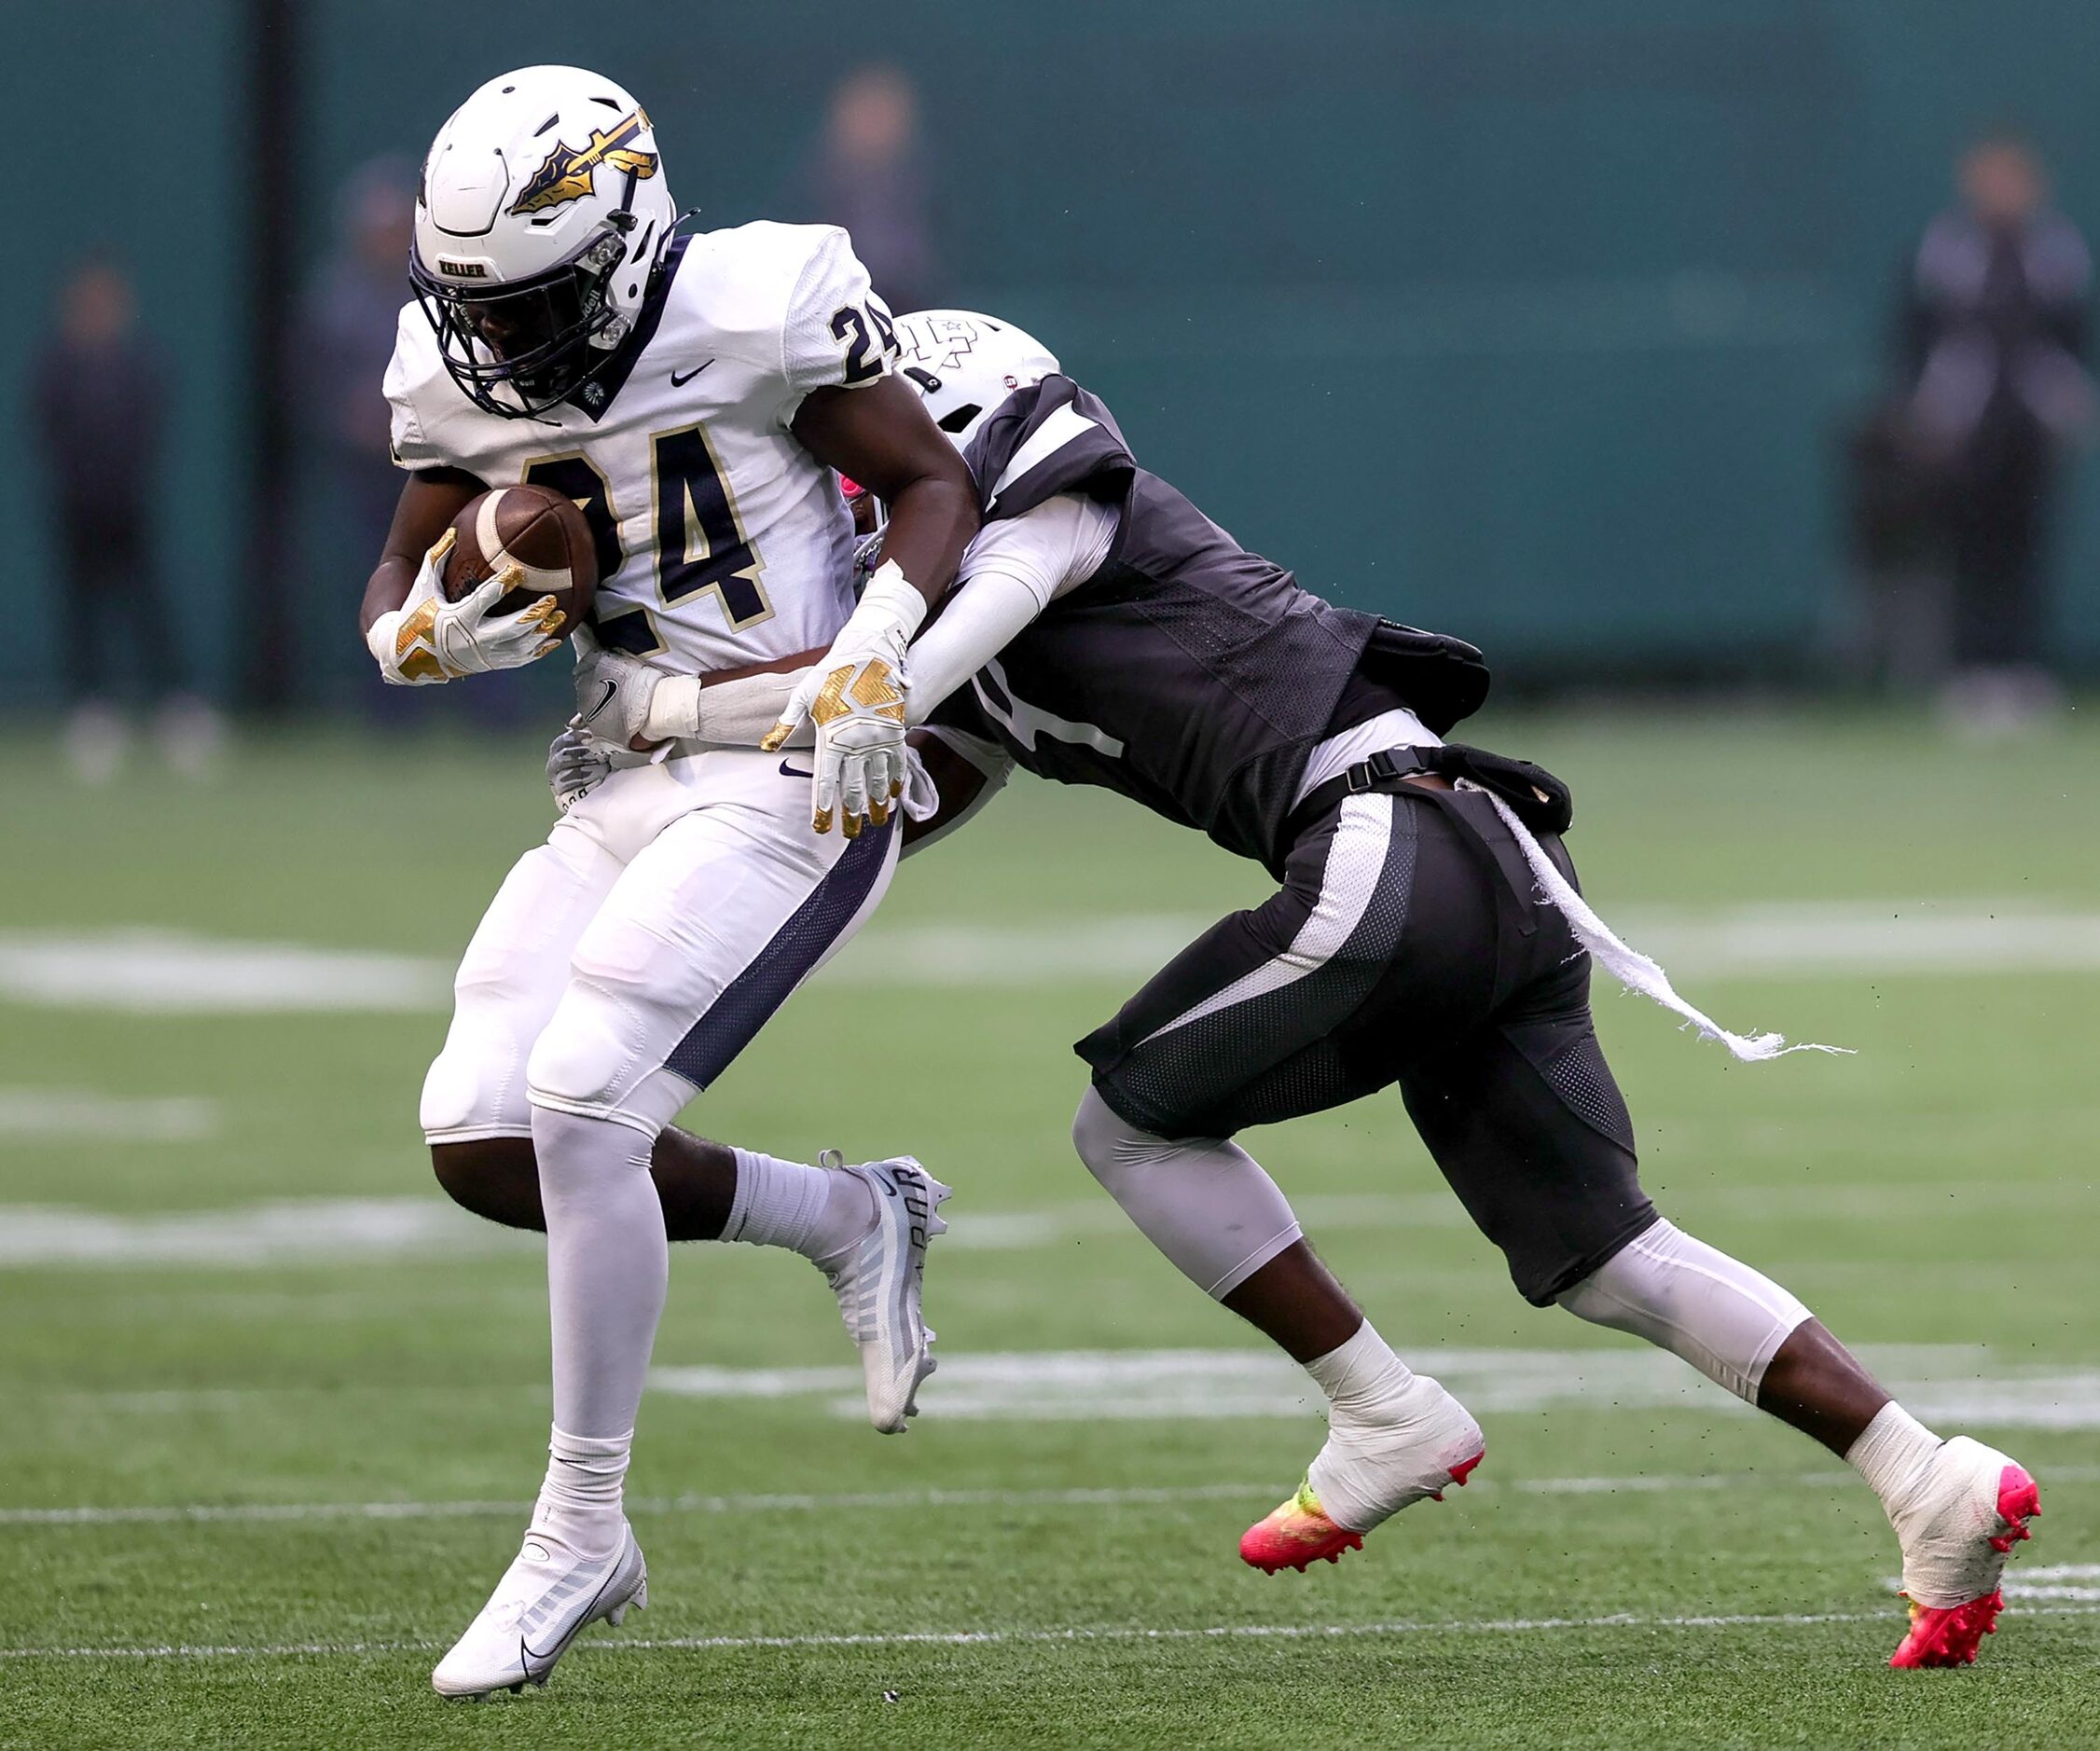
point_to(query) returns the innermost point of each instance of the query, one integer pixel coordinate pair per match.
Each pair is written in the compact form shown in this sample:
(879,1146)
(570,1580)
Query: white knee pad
(476,1087)
(509,981)
(594,1058)
(1724,1318)
(1203,1202)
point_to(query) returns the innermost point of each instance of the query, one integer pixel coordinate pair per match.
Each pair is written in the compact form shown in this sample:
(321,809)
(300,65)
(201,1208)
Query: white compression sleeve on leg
(1203,1202)
(607,1261)
(1724,1318)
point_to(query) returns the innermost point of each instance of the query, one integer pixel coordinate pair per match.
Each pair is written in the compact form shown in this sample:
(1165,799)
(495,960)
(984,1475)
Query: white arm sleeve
(1010,574)
(733,713)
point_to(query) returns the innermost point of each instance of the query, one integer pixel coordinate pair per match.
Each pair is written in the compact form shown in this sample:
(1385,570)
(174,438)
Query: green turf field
(270,1413)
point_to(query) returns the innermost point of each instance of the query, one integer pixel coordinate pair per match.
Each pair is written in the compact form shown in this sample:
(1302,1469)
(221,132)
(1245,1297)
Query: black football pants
(1406,946)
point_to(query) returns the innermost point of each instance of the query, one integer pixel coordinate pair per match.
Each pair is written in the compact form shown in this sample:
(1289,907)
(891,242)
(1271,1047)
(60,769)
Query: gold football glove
(428,639)
(855,696)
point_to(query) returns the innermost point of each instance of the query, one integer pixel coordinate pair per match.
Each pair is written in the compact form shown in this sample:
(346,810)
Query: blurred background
(1652,346)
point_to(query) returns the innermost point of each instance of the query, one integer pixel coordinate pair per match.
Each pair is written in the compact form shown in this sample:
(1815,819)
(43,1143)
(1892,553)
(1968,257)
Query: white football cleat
(546,1598)
(878,1281)
(1958,1526)
(1365,1473)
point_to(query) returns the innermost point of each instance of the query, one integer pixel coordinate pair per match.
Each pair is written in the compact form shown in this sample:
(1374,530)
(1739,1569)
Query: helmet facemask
(521,347)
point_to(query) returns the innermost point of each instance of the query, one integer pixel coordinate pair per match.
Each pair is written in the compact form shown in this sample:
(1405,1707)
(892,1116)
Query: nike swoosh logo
(611,688)
(679,382)
(794,772)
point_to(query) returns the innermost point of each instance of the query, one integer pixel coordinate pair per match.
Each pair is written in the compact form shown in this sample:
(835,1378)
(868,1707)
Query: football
(538,529)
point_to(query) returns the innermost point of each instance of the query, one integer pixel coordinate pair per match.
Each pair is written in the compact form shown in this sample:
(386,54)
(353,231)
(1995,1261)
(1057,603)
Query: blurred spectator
(98,401)
(1991,389)
(868,172)
(347,338)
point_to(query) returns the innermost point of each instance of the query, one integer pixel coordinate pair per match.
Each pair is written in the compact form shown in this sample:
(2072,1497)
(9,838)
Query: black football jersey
(1188,673)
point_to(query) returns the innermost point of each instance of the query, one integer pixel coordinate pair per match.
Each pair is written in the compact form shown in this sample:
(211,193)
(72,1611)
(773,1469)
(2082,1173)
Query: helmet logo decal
(567,174)
(949,345)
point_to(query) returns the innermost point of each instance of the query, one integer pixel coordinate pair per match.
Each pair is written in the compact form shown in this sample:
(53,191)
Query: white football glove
(577,764)
(613,691)
(623,700)
(428,639)
(855,696)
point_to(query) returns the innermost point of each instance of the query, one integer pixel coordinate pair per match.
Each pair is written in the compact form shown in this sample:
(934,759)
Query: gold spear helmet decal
(566,175)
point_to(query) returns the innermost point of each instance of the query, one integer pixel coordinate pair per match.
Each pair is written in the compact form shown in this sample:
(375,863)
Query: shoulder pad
(1050,437)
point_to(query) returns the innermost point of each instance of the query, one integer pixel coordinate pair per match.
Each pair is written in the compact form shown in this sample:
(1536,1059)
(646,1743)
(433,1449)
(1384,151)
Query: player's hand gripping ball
(536,533)
(514,571)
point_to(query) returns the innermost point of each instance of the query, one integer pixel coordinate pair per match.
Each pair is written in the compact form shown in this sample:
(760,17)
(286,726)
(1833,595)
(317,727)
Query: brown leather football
(539,530)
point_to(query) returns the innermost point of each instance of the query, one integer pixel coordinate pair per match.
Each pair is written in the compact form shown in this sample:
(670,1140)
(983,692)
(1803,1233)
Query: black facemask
(519,350)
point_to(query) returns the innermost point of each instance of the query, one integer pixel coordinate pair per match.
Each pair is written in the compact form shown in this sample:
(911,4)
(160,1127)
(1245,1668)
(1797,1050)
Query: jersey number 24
(690,500)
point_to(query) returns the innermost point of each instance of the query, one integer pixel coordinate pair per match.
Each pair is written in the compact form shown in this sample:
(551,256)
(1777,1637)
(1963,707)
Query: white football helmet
(965,365)
(542,213)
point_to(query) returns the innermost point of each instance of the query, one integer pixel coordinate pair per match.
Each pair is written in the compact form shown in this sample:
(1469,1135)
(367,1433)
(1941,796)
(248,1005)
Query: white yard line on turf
(1963,1384)
(148,970)
(290,1228)
(1780,939)
(2043,1580)
(1958,1384)
(1024,1637)
(878,1500)
(46,1115)
(361,1229)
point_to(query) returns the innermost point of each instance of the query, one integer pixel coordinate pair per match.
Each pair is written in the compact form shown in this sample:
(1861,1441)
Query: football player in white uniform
(694,396)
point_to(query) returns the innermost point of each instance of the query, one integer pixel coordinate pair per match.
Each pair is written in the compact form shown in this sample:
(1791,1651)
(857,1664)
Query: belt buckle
(1378,769)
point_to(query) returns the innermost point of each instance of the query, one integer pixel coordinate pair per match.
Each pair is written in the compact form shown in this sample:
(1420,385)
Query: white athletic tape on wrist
(674,709)
(1629,966)
(888,602)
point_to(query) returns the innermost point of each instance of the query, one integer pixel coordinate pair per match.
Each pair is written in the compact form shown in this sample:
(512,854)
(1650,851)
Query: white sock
(1203,1202)
(815,1211)
(606,1265)
(1363,1380)
(1893,1453)
(580,1501)
(1393,1436)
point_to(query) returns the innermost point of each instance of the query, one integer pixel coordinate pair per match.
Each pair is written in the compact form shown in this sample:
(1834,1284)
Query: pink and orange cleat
(1299,1532)
(1949,1636)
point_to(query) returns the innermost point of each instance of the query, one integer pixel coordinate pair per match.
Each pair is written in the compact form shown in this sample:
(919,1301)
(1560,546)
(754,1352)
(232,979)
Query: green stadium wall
(1532,321)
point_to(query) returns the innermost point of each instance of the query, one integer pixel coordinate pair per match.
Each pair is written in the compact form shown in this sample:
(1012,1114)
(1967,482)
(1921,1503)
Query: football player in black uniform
(1426,932)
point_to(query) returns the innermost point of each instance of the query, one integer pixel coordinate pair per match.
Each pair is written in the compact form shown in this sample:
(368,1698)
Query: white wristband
(674,709)
(890,604)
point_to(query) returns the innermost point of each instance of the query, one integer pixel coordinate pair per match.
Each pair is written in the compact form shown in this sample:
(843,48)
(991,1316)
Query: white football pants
(625,962)
(621,968)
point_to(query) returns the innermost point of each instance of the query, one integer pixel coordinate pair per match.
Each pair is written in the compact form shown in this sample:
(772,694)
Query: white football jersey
(721,541)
